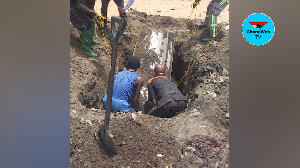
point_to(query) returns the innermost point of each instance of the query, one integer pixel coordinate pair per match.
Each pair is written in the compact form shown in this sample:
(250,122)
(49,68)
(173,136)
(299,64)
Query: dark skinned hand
(122,11)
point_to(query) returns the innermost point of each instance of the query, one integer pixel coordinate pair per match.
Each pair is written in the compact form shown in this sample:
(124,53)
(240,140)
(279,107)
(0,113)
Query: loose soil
(142,140)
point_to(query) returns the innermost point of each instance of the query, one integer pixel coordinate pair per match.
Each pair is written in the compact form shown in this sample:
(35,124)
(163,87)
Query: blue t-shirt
(122,91)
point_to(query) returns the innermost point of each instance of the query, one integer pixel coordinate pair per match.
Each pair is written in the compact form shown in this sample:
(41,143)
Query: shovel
(105,135)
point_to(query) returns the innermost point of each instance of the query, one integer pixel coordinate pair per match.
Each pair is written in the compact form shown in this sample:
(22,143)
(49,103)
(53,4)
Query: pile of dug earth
(197,137)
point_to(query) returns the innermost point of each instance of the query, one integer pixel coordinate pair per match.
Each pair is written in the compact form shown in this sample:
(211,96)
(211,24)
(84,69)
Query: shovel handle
(120,21)
(116,36)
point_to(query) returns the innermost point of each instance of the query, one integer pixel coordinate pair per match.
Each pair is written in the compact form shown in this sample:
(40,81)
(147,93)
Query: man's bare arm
(138,85)
(128,5)
(153,102)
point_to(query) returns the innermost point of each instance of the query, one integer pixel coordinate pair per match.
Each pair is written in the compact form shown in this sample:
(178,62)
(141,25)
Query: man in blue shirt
(126,90)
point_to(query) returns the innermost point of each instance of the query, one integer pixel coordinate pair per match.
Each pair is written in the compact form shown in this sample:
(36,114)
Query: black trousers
(80,19)
(120,3)
(168,110)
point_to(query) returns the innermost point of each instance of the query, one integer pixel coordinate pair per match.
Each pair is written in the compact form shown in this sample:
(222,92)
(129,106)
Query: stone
(133,116)
(89,122)
(190,149)
(196,114)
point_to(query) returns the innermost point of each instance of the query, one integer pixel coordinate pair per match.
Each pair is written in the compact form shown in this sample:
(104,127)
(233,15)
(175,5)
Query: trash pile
(206,147)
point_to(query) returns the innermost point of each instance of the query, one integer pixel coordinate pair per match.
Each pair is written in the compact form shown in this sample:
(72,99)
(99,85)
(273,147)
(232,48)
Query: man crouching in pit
(163,95)
(126,89)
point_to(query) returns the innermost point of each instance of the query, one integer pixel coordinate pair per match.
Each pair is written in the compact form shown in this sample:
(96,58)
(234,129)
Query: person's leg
(120,3)
(94,40)
(104,7)
(86,39)
(166,111)
(115,104)
(213,11)
(157,111)
(206,21)
(85,24)
(80,20)
(147,106)
(153,111)
(172,108)
(104,12)
(211,20)
(181,105)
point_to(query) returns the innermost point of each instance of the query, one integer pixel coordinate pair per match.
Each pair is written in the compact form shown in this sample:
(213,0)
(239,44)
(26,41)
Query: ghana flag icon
(258,24)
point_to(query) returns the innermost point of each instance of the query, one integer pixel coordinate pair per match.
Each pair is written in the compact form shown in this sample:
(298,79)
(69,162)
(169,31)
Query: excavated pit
(159,46)
(197,72)
(148,141)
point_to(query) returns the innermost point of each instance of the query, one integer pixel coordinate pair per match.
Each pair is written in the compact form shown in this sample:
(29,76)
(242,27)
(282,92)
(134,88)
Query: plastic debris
(211,93)
(191,149)
(206,146)
(226,27)
(133,116)
(159,155)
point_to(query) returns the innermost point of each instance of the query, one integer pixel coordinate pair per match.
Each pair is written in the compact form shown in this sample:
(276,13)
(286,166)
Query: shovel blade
(107,140)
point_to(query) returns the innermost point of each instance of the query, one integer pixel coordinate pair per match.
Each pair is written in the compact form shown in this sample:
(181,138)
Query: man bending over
(163,95)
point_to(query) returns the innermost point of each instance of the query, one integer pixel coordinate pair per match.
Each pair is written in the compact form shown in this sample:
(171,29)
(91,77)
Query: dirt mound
(140,140)
(149,141)
(138,144)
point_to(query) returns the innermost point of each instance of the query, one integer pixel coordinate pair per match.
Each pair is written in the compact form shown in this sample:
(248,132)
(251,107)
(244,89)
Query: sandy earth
(173,8)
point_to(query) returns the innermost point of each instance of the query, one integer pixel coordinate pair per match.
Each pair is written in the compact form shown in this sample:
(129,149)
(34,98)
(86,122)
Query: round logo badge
(258,29)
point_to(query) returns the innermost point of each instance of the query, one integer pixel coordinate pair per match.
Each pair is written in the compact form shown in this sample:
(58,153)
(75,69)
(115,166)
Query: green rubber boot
(86,39)
(94,40)
(212,29)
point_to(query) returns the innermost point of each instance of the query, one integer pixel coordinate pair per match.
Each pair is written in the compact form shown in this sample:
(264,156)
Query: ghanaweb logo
(258,29)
